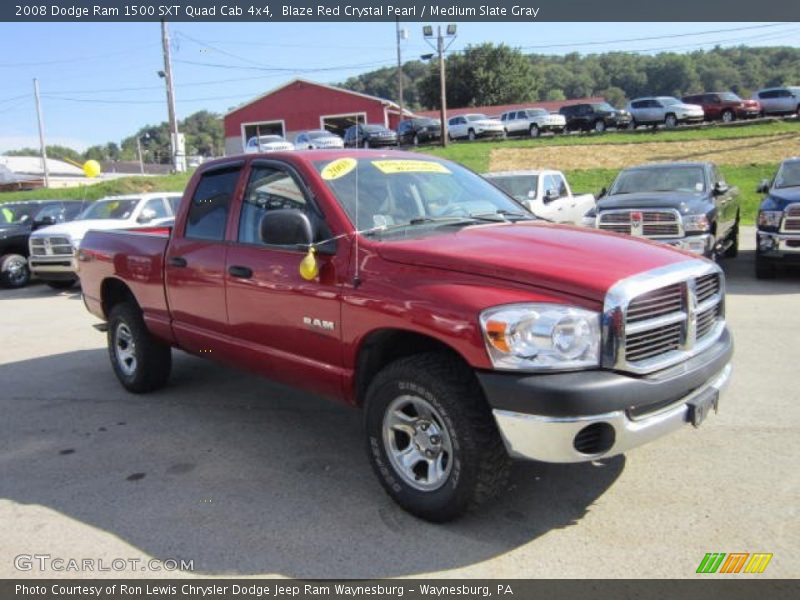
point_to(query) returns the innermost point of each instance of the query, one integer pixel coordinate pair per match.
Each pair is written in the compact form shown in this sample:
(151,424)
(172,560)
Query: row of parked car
(590,116)
(688,205)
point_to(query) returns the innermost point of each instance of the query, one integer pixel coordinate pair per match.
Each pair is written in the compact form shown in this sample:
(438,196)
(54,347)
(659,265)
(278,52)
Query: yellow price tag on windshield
(338,168)
(390,167)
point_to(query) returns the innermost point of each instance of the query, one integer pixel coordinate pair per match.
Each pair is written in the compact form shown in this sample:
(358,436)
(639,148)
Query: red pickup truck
(468,331)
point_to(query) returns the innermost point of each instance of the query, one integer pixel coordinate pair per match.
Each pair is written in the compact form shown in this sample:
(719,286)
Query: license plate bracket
(701,405)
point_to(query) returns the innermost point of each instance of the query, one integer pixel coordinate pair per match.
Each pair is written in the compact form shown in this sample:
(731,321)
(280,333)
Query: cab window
(211,203)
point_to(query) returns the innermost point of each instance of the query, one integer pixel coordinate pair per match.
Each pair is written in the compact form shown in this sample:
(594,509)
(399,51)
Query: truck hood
(75,230)
(780,198)
(681,201)
(569,260)
(14,229)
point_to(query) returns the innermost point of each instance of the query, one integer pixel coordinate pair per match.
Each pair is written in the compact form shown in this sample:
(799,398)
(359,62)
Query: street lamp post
(450,33)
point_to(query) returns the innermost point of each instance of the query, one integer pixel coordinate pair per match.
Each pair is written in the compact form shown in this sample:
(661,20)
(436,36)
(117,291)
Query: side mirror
(550,195)
(720,187)
(286,227)
(148,214)
(763,186)
(44,221)
(602,193)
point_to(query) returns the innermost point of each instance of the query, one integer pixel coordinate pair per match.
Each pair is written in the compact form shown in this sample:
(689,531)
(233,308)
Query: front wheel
(431,437)
(534,131)
(140,362)
(728,116)
(600,126)
(471,135)
(14,272)
(670,121)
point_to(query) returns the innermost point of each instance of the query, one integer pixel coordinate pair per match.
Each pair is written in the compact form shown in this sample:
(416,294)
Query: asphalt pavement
(247,478)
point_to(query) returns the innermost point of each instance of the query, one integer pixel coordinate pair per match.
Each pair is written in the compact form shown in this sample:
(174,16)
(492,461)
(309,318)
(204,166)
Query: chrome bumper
(776,244)
(552,439)
(53,264)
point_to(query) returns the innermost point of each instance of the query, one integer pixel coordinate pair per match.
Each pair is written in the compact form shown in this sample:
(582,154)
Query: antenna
(356,273)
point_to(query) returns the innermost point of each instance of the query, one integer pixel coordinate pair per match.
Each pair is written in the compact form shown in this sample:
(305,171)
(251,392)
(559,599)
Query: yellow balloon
(91,168)
(309,268)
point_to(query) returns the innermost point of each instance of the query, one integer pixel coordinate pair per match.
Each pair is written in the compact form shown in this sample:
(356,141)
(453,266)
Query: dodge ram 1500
(468,331)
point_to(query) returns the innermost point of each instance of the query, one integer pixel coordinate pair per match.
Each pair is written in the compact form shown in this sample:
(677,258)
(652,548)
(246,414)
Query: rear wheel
(471,135)
(534,131)
(416,140)
(728,116)
(632,124)
(432,439)
(140,362)
(14,272)
(599,126)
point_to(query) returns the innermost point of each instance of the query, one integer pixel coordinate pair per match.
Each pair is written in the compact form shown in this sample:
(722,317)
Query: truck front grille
(658,320)
(50,246)
(791,220)
(643,223)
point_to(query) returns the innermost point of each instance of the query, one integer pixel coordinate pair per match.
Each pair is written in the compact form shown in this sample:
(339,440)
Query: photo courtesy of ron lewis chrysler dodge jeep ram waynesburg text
(467,331)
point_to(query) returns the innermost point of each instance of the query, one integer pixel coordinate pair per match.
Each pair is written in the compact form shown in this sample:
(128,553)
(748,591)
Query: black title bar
(522,11)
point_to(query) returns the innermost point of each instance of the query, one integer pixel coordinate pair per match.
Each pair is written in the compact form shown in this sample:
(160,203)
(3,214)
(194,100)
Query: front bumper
(55,268)
(778,246)
(490,133)
(541,417)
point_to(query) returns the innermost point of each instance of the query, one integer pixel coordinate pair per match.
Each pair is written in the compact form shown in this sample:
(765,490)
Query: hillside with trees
(489,74)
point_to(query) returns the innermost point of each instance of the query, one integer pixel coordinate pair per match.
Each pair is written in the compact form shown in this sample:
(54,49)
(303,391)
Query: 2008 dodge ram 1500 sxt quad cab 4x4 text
(467,330)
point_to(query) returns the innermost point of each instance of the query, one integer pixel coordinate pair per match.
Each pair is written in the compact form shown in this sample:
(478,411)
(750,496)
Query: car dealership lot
(248,478)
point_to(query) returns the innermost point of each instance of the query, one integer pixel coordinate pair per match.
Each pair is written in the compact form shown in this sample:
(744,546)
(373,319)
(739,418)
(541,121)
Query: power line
(286,69)
(716,42)
(74,59)
(650,38)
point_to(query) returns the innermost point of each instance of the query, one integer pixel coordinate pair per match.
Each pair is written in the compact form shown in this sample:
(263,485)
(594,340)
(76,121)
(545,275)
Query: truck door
(287,328)
(195,261)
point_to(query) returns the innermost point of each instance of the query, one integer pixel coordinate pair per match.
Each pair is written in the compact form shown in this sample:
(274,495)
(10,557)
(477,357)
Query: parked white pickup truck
(546,193)
(52,249)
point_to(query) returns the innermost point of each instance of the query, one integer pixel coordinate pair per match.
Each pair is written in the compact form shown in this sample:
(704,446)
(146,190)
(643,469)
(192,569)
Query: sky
(99,81)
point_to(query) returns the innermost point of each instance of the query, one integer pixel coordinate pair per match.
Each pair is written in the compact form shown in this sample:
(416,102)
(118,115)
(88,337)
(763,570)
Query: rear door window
(208,213)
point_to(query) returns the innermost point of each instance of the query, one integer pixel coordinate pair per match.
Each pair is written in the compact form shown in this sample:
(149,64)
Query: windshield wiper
(440,221)
(505,215)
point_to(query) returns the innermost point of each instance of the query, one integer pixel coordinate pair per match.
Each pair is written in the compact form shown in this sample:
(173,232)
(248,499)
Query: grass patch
(114,187)
(746,178)
(475,155)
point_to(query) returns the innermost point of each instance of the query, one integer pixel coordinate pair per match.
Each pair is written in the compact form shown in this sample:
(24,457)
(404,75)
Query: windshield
(788,175)
(374,128)
(603,106)
(110,209)
(425,122)
(314,135)
(403,193)
(12,214)
(729,97)
(535,112)
(520,187)
(266,139)
(660,179)
(476,117)
(669,100)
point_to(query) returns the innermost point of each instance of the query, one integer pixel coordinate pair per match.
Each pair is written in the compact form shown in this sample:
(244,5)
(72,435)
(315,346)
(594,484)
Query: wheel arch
(114,291)
(383,346)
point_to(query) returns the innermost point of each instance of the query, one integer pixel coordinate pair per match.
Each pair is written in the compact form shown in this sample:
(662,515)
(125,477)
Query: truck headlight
(538,337)
(770,219)
(695,223)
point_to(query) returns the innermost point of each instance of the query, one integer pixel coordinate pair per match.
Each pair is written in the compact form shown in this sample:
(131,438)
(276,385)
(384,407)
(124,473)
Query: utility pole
(139,150)
(167,75)
(442,86)
(399,69)
(42,147)
(427,32)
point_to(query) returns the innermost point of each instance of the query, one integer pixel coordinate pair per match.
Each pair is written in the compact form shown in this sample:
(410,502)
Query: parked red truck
(468,331)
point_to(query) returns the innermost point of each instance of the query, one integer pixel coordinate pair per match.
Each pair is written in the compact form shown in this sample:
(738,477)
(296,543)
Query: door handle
(177,261)
(240,272)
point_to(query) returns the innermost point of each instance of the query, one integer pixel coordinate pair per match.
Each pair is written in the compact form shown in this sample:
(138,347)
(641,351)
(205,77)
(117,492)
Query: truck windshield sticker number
(390,167)
(338,168)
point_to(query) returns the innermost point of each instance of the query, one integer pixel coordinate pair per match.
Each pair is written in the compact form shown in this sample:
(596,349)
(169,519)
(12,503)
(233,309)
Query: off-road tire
(153,358)
(14,272)
(480,464)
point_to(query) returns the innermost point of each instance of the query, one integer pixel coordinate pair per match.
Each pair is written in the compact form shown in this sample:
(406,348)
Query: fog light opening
(596,438)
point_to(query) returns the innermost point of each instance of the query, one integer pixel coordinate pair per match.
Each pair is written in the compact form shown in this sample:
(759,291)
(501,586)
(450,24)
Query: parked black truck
(17,221)
(778,236)
(688,205)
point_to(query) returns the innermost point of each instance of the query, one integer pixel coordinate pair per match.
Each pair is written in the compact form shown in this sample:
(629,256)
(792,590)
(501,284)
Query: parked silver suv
(666,110)
(779,100)
(532,122)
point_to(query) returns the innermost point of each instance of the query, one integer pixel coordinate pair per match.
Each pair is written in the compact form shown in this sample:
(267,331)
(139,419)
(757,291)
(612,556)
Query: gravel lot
(248,478)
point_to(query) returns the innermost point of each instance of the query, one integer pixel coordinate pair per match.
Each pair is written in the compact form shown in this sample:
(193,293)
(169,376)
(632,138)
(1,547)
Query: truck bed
(135,257)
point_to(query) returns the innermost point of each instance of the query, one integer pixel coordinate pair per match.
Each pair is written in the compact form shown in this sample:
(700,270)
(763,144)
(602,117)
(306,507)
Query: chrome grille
(50,246)
(657,319)
(791,220)
(643,223)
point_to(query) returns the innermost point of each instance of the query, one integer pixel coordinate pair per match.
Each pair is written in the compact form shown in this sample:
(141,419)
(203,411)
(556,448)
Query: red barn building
(301,105)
